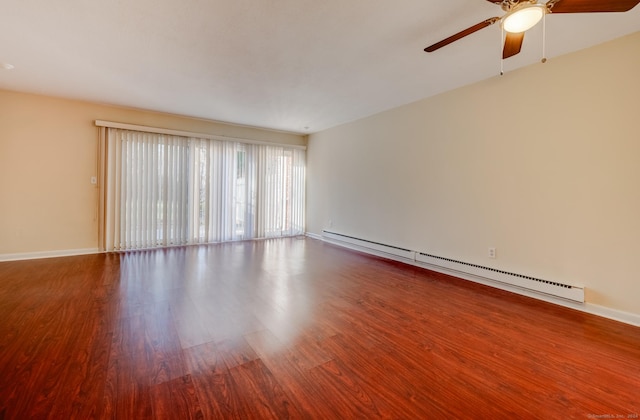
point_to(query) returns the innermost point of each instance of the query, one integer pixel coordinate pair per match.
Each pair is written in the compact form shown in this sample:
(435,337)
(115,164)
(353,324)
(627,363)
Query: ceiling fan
(522,15)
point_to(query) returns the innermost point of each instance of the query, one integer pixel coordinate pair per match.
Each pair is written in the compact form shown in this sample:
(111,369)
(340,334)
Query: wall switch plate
(94,180)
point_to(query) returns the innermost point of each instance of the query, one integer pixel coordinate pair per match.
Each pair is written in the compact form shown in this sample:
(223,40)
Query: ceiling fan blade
(591,6)
(495,1)
(462,34)
(512,44)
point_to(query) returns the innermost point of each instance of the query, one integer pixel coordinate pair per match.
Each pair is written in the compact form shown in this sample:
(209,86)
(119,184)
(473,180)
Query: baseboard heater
(452,266)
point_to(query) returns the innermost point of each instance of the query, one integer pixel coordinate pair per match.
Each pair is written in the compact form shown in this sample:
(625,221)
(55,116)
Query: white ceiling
(279,64)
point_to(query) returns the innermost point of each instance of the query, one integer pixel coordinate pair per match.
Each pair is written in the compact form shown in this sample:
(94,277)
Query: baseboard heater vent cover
(557,289)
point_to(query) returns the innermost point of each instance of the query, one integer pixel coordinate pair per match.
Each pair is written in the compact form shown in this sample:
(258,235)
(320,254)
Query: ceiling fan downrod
(544,39)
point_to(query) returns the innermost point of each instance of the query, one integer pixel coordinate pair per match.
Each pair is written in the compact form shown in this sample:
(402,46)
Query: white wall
(542,163)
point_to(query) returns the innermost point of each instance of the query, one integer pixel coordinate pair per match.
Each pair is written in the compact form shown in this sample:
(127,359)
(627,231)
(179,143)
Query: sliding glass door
(166,190)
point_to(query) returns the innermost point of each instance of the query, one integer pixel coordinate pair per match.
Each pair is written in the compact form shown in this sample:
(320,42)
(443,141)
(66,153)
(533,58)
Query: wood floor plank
(190,322)
(396,391)
(165,360)
(295,328)
(131,398)
(235,352)
(261,396)
(176,399)
(212,382)
(349,398)
(83,381)
(294,382)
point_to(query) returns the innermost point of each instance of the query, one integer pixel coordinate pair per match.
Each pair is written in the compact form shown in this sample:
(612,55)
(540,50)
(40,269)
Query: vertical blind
(165,190)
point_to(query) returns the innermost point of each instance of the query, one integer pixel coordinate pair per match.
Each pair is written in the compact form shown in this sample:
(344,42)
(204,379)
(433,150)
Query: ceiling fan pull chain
(544,38)
(501,55)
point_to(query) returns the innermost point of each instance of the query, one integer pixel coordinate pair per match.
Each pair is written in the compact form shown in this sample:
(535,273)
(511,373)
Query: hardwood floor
(295,328)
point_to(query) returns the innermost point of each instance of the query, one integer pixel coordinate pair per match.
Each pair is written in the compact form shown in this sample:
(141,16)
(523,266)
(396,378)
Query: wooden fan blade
(592,6)
(462,34)
(512,44)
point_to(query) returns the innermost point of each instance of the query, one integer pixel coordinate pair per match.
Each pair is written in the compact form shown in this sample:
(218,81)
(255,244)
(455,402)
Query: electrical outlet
(492,252)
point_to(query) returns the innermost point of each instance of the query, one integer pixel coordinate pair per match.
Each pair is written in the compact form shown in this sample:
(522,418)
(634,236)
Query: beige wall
(48,150)
(542,163)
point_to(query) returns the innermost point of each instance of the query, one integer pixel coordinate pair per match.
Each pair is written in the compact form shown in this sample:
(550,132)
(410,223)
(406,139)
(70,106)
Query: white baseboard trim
(615,314)
(313,236)
(47,254)
(598,310)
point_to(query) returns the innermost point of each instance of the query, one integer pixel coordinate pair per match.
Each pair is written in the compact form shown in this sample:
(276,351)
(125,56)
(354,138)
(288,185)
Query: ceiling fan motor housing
(508,5)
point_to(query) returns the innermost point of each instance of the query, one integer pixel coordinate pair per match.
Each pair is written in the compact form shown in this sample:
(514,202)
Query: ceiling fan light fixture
(523,17)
